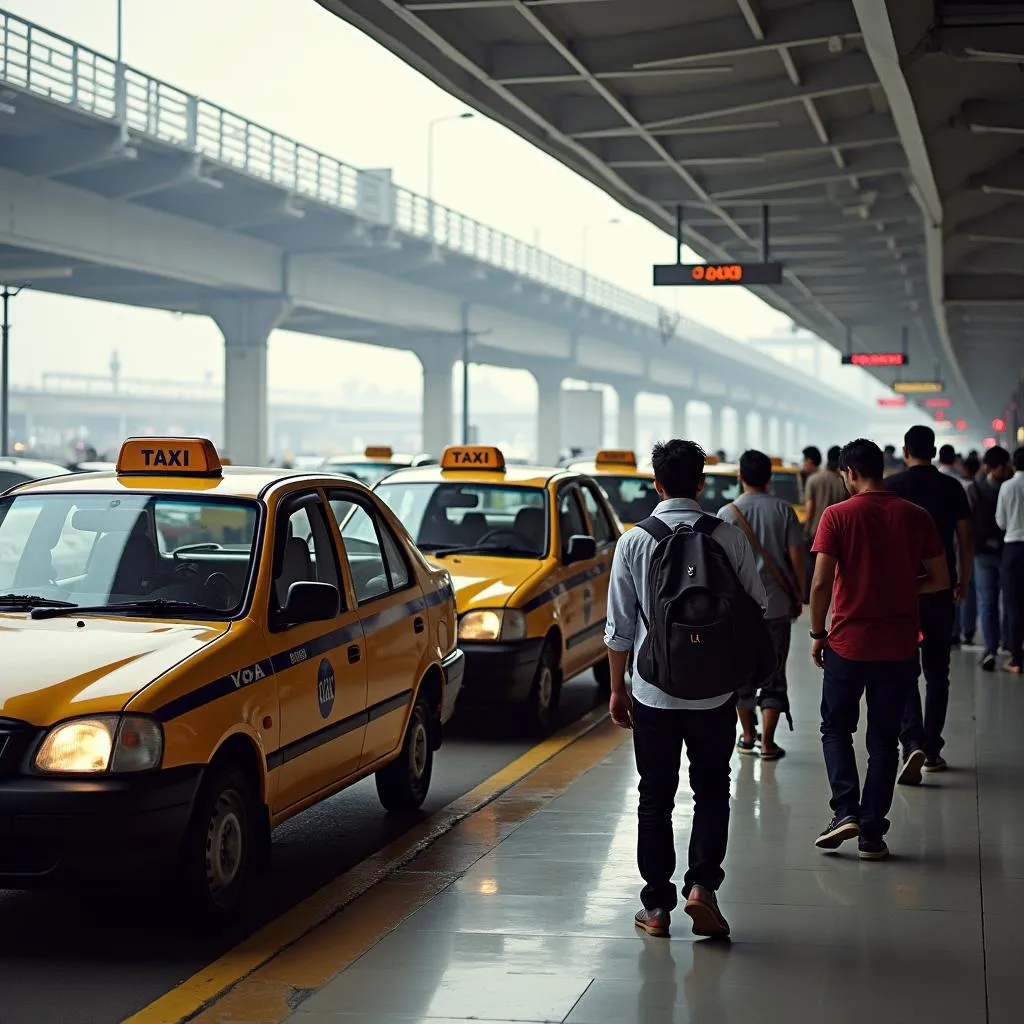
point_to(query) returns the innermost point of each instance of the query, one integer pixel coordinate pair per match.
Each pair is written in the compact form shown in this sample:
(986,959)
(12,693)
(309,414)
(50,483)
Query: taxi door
(321,667)
(577,605)
(393,617)
(604,531)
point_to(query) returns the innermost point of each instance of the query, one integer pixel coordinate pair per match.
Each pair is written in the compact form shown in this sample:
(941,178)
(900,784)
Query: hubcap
(225,842)
(545,685)
(418,750)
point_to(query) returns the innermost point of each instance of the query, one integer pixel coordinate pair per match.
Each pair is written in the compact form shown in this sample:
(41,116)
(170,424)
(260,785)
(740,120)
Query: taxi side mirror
(580,548)
(310,602)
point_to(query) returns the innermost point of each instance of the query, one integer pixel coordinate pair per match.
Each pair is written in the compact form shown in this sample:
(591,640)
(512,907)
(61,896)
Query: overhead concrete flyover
(885,135)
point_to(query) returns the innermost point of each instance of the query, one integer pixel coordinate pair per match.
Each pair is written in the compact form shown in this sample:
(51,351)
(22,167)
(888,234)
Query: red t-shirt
(879,541)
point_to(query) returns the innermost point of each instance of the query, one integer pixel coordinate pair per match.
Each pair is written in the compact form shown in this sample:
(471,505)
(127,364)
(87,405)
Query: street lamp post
(464,116)
(586,232)
(6,295)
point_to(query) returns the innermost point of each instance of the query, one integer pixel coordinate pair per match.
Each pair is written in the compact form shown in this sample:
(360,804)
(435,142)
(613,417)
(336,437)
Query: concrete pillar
(680,427)
(627,416)
(246,325)
(715,427)
(549,417)
(438,409)
(742,430)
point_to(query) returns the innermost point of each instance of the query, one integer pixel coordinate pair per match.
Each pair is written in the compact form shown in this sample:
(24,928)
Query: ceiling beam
(588,117)
(997,44)
(984,289)
(1006,178)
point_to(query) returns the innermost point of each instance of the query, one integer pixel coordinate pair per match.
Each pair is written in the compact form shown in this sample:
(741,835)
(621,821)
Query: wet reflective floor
(540,927)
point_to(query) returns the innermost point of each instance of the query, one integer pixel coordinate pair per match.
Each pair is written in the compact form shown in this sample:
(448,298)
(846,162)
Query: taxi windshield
(719,490)
(632,497)
(787,487)
(95,550)
(367,473)
(469,517)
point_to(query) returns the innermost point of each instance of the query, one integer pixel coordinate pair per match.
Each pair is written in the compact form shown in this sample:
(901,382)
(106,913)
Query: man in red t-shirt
(877,553)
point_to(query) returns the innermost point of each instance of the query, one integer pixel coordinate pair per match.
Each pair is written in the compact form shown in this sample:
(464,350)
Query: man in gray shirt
(662,724)
(776,537)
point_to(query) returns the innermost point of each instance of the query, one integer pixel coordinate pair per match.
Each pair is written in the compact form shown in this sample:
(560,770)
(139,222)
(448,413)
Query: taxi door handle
(354,653)
(417,624)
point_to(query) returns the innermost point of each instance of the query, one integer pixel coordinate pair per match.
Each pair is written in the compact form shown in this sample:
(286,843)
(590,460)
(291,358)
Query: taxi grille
(15,738)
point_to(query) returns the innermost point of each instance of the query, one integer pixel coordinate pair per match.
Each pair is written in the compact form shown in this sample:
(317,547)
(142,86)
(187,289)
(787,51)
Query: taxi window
(308,553)
(604,532)
(374,557)
(470,516)
(787,487)
(570,516)
(367,473)
(633,497)
(101,549)
(719,491)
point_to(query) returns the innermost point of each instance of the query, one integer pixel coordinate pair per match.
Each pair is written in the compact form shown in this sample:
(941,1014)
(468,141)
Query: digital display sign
(892,403)
(875,359)
(938,403)
(711,274)
(999,425)
(916,387)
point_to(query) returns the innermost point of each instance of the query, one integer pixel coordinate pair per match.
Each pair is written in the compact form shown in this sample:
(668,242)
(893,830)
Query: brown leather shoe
(655,922)
(702,907)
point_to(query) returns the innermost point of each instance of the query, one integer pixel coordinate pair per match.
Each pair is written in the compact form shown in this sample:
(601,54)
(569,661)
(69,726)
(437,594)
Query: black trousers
(658,738)
(1012,572)
(924,730)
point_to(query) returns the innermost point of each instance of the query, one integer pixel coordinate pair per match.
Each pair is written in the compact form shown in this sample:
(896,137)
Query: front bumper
(67,831)
(454,668)
(500,672)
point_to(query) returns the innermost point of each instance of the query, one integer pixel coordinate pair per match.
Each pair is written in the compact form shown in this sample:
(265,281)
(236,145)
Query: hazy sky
(295,68)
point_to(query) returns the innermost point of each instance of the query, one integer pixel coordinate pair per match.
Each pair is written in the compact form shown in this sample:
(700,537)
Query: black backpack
(706,635)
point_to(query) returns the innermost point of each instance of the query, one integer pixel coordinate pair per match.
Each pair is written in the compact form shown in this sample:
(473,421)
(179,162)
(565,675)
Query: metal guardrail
(41,62)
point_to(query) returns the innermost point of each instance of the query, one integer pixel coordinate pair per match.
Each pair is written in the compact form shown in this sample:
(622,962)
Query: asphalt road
(98,957)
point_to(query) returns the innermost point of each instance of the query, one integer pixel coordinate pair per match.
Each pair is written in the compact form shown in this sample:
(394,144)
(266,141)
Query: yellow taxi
(630,490)
(788,485)
(374,464)
(722,485)
(529,552)
(194,654)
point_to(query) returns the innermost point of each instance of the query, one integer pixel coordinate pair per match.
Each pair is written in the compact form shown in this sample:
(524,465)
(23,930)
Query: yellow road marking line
(194,993)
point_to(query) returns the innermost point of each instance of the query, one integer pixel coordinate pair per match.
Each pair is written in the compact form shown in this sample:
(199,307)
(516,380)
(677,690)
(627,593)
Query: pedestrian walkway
(540,928)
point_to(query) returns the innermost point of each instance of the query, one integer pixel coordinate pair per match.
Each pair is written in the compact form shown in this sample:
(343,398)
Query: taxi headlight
(101,744)
(493,624)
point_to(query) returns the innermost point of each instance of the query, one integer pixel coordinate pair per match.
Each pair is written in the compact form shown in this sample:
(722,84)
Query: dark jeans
(1013,594)
(986,577)
(809,576)
(775,692)
(886,684)
(965,617)
(658,738)
(924,731)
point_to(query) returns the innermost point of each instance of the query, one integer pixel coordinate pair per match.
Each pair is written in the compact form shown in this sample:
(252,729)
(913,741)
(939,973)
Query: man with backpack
(777,539)
(686,597)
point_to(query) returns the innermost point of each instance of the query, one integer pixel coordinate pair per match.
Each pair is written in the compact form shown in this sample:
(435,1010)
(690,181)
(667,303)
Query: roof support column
(438,362)
(246,325)
(680,425)
(549,416)
(627,415)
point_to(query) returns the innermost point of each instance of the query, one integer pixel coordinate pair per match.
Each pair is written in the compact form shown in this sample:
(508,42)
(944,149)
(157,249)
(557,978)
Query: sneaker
(746,746)
(934,764)
(655,922)
(702,908)
(988,663)
(911,772)
(772,755)
(868,850)
(837,832)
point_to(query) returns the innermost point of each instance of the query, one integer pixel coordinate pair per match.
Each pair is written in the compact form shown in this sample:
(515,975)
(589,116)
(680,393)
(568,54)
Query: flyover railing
(50,65)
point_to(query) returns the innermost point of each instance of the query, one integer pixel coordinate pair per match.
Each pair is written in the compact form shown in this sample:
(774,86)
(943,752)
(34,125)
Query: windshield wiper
(155,604)
(503,549)
(32,601)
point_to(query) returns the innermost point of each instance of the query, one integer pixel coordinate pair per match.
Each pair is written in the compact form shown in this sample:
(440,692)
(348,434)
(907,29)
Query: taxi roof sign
(471,456)
(777,462)
(710,460)
(378,451)
(170,456)
(615,457)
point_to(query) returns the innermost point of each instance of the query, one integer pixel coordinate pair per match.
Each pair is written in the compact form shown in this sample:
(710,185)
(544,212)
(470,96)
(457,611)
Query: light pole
(586,233)
(120,31)
(6,295)
(464,116)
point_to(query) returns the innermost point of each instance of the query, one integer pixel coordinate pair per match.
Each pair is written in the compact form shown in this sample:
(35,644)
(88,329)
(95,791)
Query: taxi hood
(487,582)
(55,669)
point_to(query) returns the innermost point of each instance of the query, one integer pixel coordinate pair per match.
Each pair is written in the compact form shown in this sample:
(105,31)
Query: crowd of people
(897,562)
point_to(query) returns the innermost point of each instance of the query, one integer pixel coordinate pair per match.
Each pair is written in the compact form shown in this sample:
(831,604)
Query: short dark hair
(890,449)
(947,455)
(755,468)
(678,467)
(864,457)
(972,463)
(1018,459)
(920,442)
(833,456)
(813,453)
(995,458)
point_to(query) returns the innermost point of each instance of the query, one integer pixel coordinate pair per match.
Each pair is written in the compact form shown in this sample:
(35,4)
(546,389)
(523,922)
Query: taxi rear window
(719,491)
(367,473)
(787,487)
(632,497)
(471,517)
(97,549)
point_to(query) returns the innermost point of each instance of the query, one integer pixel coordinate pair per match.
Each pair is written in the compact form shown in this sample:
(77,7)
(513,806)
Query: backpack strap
(706,524)
(655,527)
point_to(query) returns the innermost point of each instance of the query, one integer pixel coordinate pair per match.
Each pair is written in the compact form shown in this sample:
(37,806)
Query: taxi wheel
(219,849)
(545,691)
(403,784)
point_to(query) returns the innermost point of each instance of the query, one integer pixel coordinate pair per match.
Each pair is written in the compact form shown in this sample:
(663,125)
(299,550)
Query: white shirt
(1010,509)
(627,592)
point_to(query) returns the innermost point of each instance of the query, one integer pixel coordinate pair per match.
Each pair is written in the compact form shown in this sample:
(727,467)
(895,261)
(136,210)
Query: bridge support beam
(246,325)
(438,362)
(680,425)
(627,415)
(549,417)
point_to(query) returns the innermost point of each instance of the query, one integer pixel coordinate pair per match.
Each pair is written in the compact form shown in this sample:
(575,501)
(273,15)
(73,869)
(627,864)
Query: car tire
(402,785)
(220,850)
(544,693)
